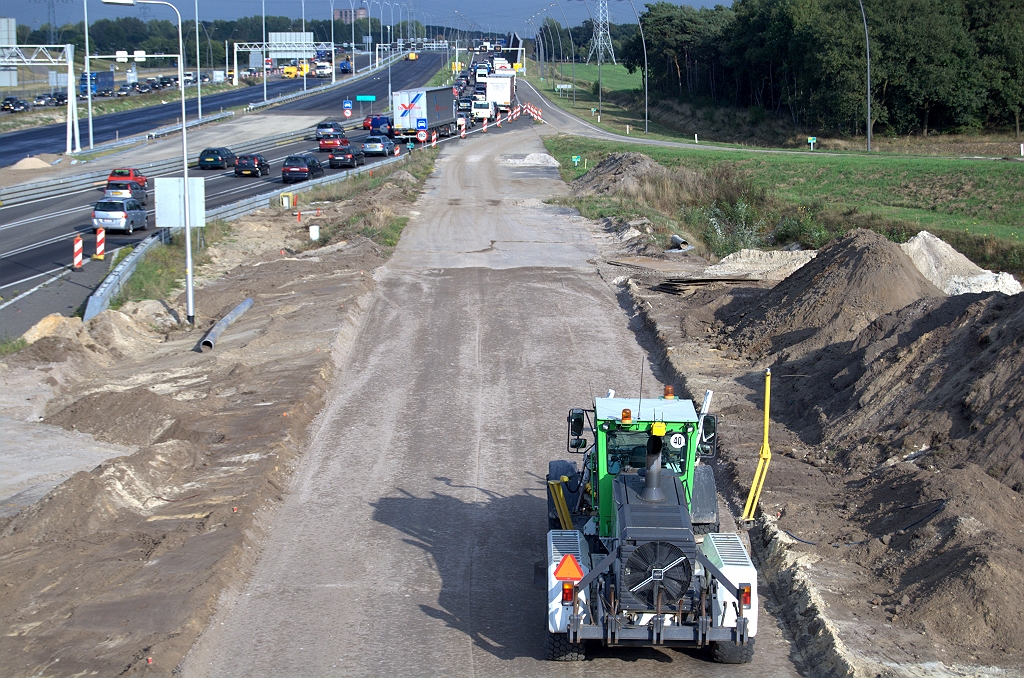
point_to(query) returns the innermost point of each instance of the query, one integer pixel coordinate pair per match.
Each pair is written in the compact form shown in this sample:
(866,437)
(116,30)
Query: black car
(252,165)
(21,105)
(124,90)
(300,168)
(349,156)
(465,103)
(60,99)
(216,158)
(8,103)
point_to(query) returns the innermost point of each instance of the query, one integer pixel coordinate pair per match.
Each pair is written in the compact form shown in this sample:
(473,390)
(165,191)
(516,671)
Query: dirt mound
(829,300)
(120,335)
(30,164)
(54,325)
(938,379)
(773,265)
(616,173)
(402,177)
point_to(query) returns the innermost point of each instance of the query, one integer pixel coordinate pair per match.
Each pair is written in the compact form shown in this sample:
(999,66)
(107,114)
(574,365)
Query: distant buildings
(346,14)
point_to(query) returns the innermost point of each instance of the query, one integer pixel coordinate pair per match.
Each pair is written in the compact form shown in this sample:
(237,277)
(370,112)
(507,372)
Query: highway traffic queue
(485,93)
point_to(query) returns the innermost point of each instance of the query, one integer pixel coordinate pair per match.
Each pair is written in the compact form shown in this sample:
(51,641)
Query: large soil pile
(619,172)
(829,300)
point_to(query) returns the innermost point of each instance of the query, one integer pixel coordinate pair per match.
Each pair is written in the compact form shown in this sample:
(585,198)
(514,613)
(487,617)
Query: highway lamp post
(352,20)
(88,73)
(867,47)
(264,2)
(334,65)
(199,70)
(646,71)
(190,311)
(305,66)
(572,46)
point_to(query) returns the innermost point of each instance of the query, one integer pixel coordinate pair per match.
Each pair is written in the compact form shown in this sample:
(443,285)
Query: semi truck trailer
(425,109)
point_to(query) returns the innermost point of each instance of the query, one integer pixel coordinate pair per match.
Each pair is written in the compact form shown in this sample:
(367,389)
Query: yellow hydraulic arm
(558,496)
(764,457)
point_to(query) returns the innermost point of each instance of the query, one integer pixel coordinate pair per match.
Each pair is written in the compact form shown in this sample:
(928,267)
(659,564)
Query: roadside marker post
(78,253)
(498,120)
(485,125)
(433,139)
(463,132)
(101,236)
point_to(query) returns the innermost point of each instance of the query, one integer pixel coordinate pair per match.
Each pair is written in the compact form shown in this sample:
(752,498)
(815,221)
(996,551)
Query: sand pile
(952,272)
(30,164)
(618,172)
(829,300)
(772,265)
(531,160)
(943,378)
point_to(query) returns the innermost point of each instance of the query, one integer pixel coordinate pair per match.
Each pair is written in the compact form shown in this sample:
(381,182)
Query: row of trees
(161,36)
(945,65)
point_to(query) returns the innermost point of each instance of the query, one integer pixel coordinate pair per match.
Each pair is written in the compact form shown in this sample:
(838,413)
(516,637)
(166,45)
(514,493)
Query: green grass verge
(162,272)
(614,77)
(9,346)
(379,223)
(774,198)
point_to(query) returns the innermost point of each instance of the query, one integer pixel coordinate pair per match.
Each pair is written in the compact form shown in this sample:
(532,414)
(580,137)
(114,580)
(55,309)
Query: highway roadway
(53,138)
(35,237)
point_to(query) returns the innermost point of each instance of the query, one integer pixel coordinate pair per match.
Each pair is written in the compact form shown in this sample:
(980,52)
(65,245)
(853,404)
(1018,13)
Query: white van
(484,110)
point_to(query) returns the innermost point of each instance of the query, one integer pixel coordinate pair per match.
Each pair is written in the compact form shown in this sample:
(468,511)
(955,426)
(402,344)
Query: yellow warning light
(658,428)
(627,417)
(670,393)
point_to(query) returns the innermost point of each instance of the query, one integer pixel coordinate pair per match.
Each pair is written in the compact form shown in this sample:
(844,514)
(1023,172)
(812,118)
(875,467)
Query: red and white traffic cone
(396,151)
(485,125)
(78,253)
(101,237)
(498,120)
(463,132)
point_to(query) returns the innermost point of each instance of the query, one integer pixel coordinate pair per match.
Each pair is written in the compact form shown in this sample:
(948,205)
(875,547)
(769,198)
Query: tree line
(936,65)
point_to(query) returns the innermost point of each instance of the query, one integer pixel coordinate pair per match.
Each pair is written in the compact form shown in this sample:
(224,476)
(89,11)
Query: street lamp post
(199,74)
(334,65)
(190,310)
(88,73)
(646,72)
(572,46)
(305,66)
(867,47)
(264,2)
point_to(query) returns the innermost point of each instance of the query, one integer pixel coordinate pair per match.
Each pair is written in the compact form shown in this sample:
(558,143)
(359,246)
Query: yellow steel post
(558,497)
(764,456)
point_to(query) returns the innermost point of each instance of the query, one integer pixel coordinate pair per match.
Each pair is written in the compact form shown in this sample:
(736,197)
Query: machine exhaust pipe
(652,476)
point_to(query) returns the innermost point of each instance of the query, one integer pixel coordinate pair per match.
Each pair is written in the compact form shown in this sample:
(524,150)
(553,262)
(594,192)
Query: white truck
(501,89)
(323,70)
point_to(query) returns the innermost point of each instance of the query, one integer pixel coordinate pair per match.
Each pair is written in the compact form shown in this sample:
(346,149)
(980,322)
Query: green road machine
(634,552)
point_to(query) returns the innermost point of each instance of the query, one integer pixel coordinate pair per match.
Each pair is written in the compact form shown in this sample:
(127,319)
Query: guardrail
(16,195)
(99,300)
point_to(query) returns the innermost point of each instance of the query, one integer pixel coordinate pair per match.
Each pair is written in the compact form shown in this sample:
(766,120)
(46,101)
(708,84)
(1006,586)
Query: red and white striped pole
(101,237)
(485,125)
(433,139)
(498,120)
(78,253)
(463,132)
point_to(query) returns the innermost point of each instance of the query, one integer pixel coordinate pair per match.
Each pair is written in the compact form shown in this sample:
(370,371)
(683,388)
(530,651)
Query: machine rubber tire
(557,648)
(145,224)
(706,528)
(730,653)
(131,227)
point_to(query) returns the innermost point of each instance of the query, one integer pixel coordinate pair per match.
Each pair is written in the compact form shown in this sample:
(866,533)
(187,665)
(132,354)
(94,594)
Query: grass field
(766,199)
(614,77)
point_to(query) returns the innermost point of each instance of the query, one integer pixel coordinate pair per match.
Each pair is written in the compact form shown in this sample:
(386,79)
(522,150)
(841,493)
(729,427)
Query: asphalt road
(52,138)
(407,540)
(35,238)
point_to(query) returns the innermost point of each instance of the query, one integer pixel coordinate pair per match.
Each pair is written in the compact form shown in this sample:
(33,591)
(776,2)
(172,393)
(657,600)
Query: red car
(128,174)
(332,142)
(367,122)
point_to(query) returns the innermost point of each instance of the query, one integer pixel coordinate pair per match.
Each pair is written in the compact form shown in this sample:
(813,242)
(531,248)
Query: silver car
(124,214)
(126,189)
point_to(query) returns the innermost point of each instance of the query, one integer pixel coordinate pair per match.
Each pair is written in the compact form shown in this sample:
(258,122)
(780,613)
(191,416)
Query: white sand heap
(773,265)
(532,160)
(952,272)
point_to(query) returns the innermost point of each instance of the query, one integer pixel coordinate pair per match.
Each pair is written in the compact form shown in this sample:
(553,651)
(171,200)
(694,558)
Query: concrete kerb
(115,281)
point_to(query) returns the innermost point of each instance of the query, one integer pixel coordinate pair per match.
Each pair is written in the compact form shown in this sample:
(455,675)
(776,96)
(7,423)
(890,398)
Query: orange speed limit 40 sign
(569,569)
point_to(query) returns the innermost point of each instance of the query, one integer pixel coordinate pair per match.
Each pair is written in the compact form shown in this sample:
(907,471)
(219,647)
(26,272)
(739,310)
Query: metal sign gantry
(49,55)
(278,49)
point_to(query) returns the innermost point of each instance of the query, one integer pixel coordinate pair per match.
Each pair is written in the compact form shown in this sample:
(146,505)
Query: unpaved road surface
(406,543)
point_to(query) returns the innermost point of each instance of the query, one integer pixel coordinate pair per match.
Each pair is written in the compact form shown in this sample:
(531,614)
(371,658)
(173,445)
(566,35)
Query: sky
(489,16)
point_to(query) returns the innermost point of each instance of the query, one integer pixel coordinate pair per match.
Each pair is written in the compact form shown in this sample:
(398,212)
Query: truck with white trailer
(501,89)
(426,109)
